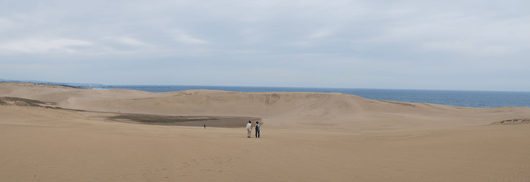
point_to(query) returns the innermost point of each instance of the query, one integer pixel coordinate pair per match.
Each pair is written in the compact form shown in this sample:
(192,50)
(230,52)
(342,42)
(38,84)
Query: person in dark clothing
(257,129)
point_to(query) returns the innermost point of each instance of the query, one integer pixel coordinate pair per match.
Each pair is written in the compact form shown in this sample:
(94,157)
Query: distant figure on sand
(257,129)
(204,126)
(249,128)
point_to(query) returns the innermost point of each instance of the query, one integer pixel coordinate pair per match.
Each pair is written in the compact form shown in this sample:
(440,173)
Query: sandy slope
(321,111)
(307,137)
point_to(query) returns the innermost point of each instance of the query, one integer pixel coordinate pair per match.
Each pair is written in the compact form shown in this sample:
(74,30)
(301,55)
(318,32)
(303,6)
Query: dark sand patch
(33,103)
(24,102)
(512,121)
(209,121)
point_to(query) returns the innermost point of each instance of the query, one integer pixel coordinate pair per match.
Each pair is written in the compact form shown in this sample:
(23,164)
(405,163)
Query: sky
(402,44)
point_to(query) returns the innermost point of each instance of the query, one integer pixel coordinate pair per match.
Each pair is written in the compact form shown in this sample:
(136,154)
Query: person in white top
(249,129)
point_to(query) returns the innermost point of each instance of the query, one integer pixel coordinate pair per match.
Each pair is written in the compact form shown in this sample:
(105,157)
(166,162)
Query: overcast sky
(446,45)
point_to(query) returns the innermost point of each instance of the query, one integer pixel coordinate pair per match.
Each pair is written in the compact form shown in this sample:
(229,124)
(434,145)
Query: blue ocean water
(444,97)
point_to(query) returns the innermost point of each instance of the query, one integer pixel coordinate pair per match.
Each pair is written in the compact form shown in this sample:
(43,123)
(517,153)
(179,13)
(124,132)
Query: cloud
(42,45)
(129,41)
(5,24)
(460,28)
(183,37)
(246,52)
(252,36)
(322,33)
(446,38)
(314,37)
(191,40)
(476,48)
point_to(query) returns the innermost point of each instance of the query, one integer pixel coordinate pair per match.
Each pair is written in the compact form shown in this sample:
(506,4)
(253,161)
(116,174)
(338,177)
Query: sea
(461,98)
(478,99)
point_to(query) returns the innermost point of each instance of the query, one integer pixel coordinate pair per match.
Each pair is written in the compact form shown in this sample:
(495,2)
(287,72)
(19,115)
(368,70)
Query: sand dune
(306,137)
(333,111)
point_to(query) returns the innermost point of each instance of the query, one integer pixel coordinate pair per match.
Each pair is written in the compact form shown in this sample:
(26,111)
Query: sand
(305,137)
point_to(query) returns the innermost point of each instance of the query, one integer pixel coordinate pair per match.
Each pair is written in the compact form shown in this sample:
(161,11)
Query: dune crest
(326,111)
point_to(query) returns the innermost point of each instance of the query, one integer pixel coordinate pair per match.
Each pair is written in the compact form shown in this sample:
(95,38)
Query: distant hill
(53,83)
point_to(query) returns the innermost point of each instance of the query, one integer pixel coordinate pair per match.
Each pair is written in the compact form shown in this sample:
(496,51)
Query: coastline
(458,98)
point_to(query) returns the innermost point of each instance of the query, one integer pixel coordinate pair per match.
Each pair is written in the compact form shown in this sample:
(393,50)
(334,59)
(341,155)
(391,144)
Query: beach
(68,134)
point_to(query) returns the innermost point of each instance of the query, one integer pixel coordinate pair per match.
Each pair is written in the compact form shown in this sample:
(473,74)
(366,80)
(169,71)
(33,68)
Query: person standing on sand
(257,129)
(249,128)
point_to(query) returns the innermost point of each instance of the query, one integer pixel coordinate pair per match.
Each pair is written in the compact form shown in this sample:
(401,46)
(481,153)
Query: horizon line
(98,84)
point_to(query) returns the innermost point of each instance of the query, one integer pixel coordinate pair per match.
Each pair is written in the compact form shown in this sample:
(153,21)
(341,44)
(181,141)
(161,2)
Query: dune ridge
(333,111)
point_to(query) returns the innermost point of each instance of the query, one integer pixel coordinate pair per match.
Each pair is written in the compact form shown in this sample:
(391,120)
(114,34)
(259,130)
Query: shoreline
(474,98)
